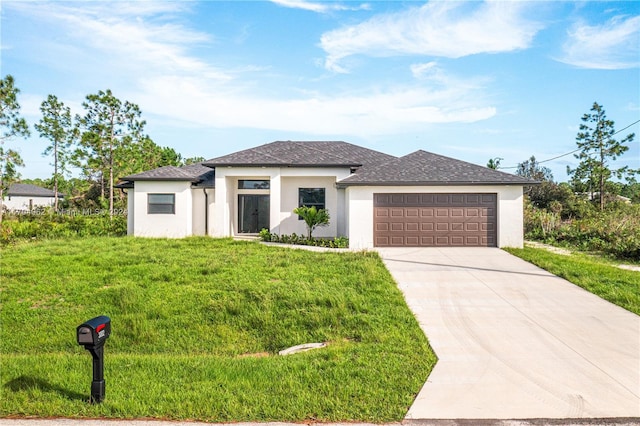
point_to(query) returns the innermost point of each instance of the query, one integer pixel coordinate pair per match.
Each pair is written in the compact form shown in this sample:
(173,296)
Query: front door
(253,213)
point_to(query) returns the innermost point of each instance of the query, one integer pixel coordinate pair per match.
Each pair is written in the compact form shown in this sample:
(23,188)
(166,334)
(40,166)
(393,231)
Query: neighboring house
(375,199)
(22,196)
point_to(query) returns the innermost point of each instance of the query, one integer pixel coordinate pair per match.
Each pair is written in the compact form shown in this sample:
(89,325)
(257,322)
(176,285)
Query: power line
(569,153)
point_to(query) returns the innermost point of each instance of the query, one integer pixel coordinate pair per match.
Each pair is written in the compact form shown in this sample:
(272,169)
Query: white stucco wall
(131,211)
(360,210)
(176,225)
(290,193)
(26,202)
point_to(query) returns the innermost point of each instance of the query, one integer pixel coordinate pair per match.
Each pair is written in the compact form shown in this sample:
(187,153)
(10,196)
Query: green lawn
(596,275)
(189,319)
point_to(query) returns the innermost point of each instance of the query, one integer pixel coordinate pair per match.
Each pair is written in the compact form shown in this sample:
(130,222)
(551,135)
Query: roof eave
(159,179)
(264,165)
(440,183)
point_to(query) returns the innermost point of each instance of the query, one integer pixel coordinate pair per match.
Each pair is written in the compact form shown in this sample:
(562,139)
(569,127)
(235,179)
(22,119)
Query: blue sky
(470,80)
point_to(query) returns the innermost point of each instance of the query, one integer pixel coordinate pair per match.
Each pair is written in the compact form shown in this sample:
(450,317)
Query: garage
(435,220)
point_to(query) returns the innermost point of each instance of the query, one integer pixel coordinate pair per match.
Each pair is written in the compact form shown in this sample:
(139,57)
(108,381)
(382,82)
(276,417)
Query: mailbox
(92,335)
(95,331)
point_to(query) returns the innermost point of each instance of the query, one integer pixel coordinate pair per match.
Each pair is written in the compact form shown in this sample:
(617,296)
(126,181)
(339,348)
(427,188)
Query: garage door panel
(427,241)
(435,219)
(397,226)
(442,227)
(457,240)
(472,240)
(397,241)
(412,227)
(382,212)
(457,227)
(381,226)
(412,212)
(427,226)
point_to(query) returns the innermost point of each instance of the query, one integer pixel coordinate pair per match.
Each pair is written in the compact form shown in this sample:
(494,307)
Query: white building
(374,199)
(22,196)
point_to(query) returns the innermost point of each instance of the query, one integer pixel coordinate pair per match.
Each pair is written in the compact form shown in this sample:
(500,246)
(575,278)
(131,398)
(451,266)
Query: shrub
(46,224)
(615,230)
(338,242)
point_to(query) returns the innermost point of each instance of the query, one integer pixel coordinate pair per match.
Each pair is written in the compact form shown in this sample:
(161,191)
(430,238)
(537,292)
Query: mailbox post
(92,335)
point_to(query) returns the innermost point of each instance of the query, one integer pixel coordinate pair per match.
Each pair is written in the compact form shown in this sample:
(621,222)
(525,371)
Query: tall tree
(11,126)
(109,128)
(57,126)
(531,169)
(597,148)
(494,163)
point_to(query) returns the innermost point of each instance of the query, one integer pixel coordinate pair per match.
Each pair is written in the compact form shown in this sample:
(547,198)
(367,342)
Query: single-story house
(374,199)
(22,196)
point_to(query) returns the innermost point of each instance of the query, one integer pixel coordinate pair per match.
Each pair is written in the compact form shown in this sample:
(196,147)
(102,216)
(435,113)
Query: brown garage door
(429,220)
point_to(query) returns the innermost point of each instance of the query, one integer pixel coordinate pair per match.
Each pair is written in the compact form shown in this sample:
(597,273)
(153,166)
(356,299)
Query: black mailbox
(92,335)
(95,331)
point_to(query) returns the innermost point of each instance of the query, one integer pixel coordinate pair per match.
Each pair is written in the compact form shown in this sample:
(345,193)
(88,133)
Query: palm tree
(312,217)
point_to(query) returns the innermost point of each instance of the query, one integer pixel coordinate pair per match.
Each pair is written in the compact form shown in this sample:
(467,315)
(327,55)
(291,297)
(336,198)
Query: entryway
(253,213)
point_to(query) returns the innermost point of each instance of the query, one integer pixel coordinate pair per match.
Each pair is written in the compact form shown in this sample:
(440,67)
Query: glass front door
(253,213)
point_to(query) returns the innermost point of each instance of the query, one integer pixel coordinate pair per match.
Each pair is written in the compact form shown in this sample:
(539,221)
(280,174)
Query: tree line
(593,177)
(106,142)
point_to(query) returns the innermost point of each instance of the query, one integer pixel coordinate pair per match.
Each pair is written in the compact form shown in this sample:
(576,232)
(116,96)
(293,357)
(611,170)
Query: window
(310,197)
(253,184)
(161,203)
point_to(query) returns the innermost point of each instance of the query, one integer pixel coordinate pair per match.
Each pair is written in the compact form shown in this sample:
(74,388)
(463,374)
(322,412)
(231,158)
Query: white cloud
(125,36)
(612,45)
(442,29)
(153,65)
(319,7)
(393,110)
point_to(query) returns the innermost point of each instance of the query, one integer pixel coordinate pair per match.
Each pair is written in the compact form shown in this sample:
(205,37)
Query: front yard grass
(598,276)
(196,326)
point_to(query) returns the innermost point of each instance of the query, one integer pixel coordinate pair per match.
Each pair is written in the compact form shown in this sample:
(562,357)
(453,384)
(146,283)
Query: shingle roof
(426,168)
(28,190)
(371,167)
(302,154)
(195,173)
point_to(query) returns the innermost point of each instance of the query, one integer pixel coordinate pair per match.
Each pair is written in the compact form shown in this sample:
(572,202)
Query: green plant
(264,235)
(312,217)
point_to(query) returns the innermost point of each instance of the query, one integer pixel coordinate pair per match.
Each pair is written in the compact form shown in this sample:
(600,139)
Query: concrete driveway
(514,341)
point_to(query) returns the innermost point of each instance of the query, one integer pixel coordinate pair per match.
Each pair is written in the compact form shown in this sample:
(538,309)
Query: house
(22,196)
(375,199)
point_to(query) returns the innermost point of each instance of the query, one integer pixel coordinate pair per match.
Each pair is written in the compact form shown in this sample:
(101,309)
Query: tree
(193,160)
(57,126)
(597,147)
(11,126)
(312,217)
(109,127)
(547,191)
(494,163)
(531,169)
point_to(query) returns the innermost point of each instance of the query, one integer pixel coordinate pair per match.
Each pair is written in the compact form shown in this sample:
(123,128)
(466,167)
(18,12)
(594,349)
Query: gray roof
(28,190)
(426,168)
(195,173)
(369,167)
(302,154)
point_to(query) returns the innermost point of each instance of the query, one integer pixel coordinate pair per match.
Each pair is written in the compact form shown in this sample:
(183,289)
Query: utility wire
(569,153)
